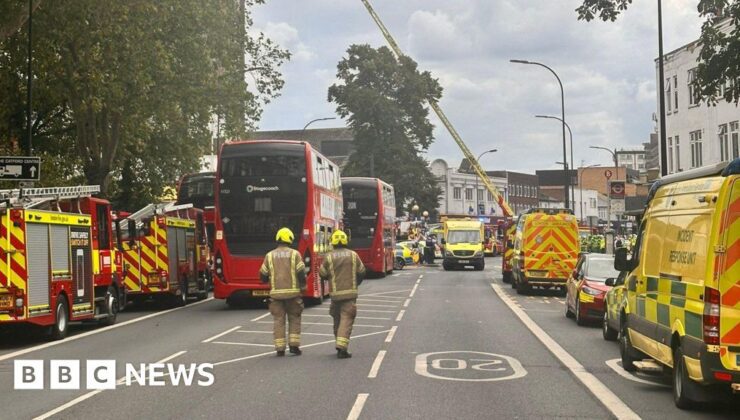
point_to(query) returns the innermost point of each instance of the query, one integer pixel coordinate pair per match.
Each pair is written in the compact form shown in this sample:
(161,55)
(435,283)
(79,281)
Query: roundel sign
(617,189)
(608,174)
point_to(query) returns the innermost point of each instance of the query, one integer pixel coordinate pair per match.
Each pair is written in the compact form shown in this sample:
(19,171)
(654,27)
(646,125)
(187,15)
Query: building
(594,178)
(697,134)
(632,159)
(334,143)
(652,158)
(586,204)
(523,189)
(463,193)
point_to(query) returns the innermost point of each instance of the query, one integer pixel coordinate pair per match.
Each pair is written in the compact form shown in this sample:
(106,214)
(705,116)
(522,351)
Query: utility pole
(661,87)
(29,82)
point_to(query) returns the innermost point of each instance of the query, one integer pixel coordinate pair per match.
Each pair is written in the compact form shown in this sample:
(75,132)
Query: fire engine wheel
(61,324)
(182,298)
(111,306)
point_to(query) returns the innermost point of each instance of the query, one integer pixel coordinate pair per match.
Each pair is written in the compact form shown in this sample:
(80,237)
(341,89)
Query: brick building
(523,189)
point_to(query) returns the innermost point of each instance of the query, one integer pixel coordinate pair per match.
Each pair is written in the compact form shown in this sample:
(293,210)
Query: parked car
(615,301)
(586,287)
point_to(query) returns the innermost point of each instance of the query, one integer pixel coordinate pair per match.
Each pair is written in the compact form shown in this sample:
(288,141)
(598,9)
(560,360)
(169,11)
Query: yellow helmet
(284,235)
(338,238)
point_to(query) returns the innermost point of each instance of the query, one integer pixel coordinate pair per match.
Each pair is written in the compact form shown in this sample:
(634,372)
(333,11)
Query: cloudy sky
(607,69)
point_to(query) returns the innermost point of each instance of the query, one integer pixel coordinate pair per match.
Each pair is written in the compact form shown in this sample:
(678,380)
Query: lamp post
(661,87)
(580,186)
(608,193)
(315,120)
(562,109)
(476,178)
(572,162)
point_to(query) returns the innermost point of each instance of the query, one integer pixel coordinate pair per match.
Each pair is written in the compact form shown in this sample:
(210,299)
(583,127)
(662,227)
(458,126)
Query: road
(426,344)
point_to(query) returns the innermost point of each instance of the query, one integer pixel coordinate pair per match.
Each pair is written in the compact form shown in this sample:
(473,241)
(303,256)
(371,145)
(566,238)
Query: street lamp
(609,196)
(562,109)
(476,178)
(580,186)
(572,162)
(315,120)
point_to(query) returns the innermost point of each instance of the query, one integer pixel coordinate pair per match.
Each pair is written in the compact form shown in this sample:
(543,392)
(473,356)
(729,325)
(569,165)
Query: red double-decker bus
(198,189)
(262,186)
(369,213)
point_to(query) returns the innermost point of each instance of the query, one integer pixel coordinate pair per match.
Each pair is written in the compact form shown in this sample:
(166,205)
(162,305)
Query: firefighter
(343,268)
(283,268)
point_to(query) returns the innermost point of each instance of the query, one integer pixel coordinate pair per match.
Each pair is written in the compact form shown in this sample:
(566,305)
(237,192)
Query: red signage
(608,174)
(617,189)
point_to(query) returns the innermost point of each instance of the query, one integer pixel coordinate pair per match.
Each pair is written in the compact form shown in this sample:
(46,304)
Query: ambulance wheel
(111,306)
(683,386)
(61,323)
(609,333)
(507,277)
(523,289)
(626,351)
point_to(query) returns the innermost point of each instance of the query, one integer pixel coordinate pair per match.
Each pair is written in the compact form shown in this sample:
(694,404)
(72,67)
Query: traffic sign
(20,168)
(608,174)
(617,189)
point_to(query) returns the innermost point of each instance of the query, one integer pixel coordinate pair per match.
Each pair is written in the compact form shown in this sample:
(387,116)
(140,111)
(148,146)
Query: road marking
(406,303)
(400,314)
(617,367)
(375,305)
(254,356)
(270,332)
(376,364)
(208,340)
(379,311)
(458,364)
(395,275)
(413,290)
(385,293)
(97,331)
(244,344)
(391,333)
(261,317)
(91,394)
(329,323)
(610,400)
(421,276)
(354,414)
(376,300)
(357,317)
(540,310)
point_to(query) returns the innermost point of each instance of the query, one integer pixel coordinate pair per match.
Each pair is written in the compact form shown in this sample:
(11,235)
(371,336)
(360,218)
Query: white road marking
(362,305)
(610,400)
(462,359)
(244,344)
(97,331)
(391,333)
(270,332)
(376,364)
(400,314)
(421,276)
(385,293)
(406,303)
(254,356)
(395,275)
(378,300)
(354,414)
(379,311)
(261,317)
(413,291)
(91,394)
(208,340)
(617,367)
(329,323)
(357,317)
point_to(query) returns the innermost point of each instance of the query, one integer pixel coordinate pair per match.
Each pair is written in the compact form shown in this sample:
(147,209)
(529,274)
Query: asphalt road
(426,344)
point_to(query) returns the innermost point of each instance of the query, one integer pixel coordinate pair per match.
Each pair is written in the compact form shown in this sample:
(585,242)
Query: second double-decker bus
(262,186)
(369,219)
(198,189)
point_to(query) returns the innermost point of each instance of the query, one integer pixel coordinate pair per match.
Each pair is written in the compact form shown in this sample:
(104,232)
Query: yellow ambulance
(463,242)
(682,310)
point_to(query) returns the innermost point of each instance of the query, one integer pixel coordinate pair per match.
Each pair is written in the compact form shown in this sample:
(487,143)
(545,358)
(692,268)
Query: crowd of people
(597,243)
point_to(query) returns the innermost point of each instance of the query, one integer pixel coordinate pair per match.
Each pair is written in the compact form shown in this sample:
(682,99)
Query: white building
(586,204)
(459,194)
(633,159)
(696,134)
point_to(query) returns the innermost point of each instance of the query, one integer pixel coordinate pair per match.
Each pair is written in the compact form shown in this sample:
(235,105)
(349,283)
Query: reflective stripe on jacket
(286,272)
(344,269)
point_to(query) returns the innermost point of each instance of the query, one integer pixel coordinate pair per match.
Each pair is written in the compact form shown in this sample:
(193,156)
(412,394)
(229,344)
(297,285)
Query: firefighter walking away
(283,268)
(345,271)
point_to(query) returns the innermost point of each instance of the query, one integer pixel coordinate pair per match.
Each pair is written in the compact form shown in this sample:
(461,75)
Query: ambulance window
(103,225)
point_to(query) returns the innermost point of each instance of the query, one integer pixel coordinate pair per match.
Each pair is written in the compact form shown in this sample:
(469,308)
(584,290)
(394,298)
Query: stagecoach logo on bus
(253,188)
(101,374)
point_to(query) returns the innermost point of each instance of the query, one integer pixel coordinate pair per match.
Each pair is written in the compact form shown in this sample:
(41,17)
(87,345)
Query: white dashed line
(610,400)
(362,305)
(208,340)
(406,303)
(376,364)
(391,333)
(261,317)
(400,315)
(354,414)
(328,323)
(270,332)
(243,344)
(413,290)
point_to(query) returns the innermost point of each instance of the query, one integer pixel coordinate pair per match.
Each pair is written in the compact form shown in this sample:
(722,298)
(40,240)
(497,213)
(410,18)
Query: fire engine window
(103,223)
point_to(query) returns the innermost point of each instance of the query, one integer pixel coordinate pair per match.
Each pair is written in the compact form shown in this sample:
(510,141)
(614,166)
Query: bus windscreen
(197,190)
(361,214)
(260,192)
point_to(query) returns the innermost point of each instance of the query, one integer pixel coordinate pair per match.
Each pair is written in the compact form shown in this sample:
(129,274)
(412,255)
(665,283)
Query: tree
(718,70)
(131,82)
(383,100)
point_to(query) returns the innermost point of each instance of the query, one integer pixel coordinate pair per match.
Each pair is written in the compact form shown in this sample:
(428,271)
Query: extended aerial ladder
(437,110)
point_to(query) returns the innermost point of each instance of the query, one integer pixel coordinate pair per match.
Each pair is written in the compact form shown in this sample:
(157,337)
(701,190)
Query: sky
(608,70)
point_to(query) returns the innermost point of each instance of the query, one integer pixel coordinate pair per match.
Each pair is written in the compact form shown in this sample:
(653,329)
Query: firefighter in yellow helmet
(283,268)
(344,270)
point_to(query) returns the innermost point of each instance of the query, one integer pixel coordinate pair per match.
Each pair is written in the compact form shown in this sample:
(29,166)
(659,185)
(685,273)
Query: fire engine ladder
(34,197)
(437,110)
(156,209)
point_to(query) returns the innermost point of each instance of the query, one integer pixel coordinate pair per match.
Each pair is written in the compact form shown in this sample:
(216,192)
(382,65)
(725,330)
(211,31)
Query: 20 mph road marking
(357,407)
(617,407)
(376,364)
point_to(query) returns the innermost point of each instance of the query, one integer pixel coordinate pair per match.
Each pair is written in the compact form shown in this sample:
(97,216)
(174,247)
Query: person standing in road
(344,270)
(283,268)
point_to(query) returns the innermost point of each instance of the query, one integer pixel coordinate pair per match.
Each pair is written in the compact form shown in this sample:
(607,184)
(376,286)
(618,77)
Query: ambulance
(682,309)
(546,248)
(463,242)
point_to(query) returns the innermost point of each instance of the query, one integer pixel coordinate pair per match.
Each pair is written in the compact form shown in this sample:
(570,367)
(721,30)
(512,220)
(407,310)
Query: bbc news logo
(101,374)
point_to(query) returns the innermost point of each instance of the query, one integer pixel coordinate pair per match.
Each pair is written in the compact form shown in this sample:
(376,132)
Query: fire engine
(58,258)
(165,256)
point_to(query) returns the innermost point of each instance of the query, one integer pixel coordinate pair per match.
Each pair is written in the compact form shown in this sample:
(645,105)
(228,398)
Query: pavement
(427,344)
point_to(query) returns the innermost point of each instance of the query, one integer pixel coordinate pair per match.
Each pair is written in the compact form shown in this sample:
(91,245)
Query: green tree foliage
(383,100)
(126,91)
(718,70)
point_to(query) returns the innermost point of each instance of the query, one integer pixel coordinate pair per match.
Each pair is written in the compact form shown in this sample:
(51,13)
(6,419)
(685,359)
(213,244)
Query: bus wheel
(61,323)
